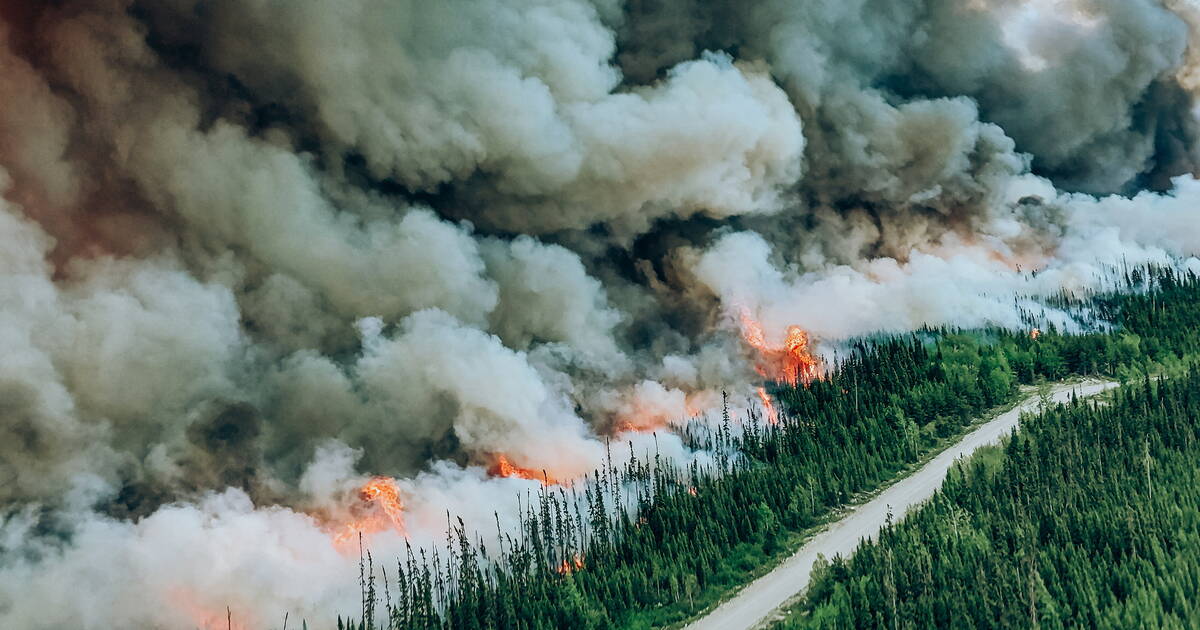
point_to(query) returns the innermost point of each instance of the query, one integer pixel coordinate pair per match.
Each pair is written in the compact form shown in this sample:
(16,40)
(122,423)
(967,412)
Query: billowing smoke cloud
(256,252)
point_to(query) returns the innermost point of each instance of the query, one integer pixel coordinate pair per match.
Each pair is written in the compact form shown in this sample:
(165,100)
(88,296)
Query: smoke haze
(257,251)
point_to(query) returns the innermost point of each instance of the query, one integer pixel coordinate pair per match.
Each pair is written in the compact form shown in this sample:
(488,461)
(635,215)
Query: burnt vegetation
(648,543)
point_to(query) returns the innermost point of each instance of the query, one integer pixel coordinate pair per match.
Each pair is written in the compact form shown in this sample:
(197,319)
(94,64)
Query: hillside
(648,544)
(1088,517)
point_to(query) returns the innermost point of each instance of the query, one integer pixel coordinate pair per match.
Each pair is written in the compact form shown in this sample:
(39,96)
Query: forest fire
(1035,333)
(650,408)
(379,508)
(626,426)
(202,616)
(504,468)
(571,566)
(644,423)
(791,363)
(768,406)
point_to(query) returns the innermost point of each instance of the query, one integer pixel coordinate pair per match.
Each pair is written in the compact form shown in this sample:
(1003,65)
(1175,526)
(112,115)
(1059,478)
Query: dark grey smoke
(255,251)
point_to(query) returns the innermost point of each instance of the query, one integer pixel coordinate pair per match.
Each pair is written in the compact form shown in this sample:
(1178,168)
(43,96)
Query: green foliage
(648,543)
(1091,518)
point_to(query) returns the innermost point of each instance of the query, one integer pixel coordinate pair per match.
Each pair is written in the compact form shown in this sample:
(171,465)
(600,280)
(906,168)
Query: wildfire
(651,407)
(625,426)
(1035,333)
(792,362)
(768,406)
(203,616)
(504,468)
(571,566)
(379,508)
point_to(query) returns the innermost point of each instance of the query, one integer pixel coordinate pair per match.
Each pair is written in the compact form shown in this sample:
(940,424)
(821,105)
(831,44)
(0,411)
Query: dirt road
(755,603)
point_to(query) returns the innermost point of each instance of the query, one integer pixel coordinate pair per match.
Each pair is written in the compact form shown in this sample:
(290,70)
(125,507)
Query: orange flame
(203,616)
(642,420)
(768,406)
(379,508)
(625,426)
(639,415)
(1035,333)
(504,468)
(791,363)
(571,566)
(648,422)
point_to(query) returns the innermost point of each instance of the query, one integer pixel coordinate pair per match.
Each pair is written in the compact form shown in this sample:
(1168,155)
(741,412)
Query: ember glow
(768,406)
(378,509)
(789,362)
(204,617)
(652,408)
(644,423)
(626,426)
(231,308)
(571,566)
(504,468)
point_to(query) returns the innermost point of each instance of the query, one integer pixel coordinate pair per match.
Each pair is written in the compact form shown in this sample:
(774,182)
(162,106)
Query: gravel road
(755,603)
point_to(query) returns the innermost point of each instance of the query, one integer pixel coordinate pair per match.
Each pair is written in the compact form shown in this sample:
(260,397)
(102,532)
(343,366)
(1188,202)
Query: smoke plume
(256,252)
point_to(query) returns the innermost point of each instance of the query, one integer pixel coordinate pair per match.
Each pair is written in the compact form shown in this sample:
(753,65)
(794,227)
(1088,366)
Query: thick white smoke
(256,252)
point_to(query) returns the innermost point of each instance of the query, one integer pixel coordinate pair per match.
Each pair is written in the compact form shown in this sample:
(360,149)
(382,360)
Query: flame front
(202,615)
(504,468)
(379,509)
(648,414)
(768,406)
(791,363)
(574,564)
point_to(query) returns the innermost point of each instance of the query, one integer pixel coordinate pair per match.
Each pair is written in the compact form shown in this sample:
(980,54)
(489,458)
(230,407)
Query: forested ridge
(1088,517)
(646,543)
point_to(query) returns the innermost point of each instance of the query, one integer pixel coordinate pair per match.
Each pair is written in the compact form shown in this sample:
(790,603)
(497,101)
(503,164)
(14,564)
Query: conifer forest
(599,314)
(1061,525)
